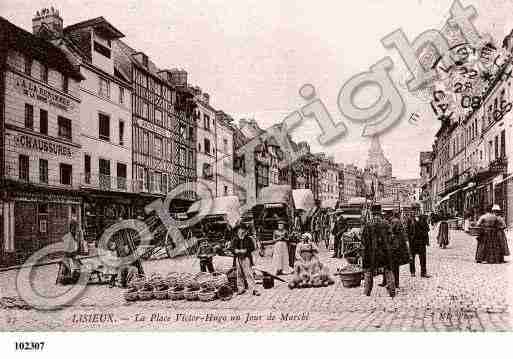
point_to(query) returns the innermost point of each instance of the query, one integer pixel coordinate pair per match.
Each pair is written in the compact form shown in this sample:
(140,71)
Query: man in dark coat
(338,230)
(399,247)
(377,251)
(418,238)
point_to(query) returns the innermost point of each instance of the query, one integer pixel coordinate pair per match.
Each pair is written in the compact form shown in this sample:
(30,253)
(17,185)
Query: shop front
(32,219)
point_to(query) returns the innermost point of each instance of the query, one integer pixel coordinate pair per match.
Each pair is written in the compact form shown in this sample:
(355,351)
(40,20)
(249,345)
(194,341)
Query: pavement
(461,295)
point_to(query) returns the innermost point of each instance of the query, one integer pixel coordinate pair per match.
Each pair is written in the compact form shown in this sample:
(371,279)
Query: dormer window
(102,50)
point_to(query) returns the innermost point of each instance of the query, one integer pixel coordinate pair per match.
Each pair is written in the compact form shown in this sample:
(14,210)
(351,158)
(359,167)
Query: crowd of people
(388,241)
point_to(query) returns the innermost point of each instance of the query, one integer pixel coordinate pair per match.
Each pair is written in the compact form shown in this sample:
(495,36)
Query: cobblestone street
(460,296)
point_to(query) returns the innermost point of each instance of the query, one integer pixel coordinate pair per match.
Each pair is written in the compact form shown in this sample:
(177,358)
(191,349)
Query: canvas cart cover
(275,194)
(228,206)
(303,199)
(329,203)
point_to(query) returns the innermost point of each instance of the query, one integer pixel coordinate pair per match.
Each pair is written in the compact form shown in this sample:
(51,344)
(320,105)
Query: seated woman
(308,270)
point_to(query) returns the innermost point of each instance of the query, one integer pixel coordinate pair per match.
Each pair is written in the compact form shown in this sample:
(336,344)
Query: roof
(99,24)
(40,49)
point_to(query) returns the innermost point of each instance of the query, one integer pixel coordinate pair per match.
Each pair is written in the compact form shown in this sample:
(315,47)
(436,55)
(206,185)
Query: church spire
(377,161)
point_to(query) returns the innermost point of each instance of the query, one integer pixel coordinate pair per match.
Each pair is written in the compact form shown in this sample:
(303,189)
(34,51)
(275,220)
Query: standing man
(243,247)
(418,237)
(399,248)
(377,251)
(339,229)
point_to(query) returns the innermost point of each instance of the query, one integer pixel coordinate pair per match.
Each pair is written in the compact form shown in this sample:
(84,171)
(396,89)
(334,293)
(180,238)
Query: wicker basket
(145,295)
(191,294)
(175,294)
(219,279)
(161,294)
(131,296)
(206,296)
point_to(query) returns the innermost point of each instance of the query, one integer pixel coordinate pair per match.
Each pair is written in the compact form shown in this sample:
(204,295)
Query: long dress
(280,251)
(490,244)
(443,234)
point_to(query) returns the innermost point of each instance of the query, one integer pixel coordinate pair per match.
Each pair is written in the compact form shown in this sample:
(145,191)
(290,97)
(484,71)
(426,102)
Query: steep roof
(38,48)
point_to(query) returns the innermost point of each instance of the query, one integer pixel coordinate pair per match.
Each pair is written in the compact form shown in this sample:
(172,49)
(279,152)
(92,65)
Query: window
(43,121)
(65,83)
(104,174)
(225,145)
(157,179)
(158,147)
(146,179)
(206,122)
(87,169)
(145,109)
(102,50)
(29,116)
(121,95)
(191,133)
(164,183)
(503,143)
(496,146)
(104,88)
(104,127)
(121,173)
(64,127)
(23,168)
(158,117)
(66,173)
(28,66)
(206,145)
(181,131)
(121,133)
(146,143)
(226,190)
(43,170)
(44,73)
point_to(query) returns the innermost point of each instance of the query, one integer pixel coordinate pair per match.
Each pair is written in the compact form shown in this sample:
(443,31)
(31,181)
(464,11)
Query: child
(205,255)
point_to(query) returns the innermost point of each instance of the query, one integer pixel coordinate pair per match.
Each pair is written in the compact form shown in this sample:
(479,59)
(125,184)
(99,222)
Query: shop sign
(41,93)
(154,128)
(41,145)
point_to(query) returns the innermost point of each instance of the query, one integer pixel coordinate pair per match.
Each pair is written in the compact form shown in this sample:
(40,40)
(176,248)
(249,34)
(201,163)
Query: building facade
(206,162)
(106,126)
(164,128)
(225,159)
(41,143)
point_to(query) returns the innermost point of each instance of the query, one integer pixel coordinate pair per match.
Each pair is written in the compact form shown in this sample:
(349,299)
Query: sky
(252,57)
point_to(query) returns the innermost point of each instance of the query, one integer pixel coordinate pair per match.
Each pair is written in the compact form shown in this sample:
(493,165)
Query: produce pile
(179,286)
(13,303)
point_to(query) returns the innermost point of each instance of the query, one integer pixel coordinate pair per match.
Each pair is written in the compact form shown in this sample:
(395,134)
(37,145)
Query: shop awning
(448,196)
(504,179)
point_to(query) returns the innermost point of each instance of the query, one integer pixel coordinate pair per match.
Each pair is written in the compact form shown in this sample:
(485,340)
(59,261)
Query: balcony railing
(106,183)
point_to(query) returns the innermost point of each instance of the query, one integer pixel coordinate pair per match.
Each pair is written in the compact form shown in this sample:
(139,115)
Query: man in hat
(418,238)
(280,249)
(377,251)
(243,247)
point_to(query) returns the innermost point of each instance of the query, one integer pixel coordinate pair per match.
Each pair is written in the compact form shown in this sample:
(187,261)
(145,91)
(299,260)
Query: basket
(161,294)
(206,296)
(145,295)
(351,279)
(174,294)
(131,296)
(191,294)
(219,279)
(225,293)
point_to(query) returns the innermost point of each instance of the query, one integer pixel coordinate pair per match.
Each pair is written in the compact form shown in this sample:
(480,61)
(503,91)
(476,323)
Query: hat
(496,207)
(306,236)
(282,221)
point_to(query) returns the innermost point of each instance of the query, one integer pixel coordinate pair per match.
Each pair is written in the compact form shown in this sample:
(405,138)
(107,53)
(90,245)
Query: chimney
(47,23)
(206,97)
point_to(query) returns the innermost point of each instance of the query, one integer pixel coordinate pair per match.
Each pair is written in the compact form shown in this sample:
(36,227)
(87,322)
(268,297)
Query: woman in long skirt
(490,243)
(280,250)
(443,234)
